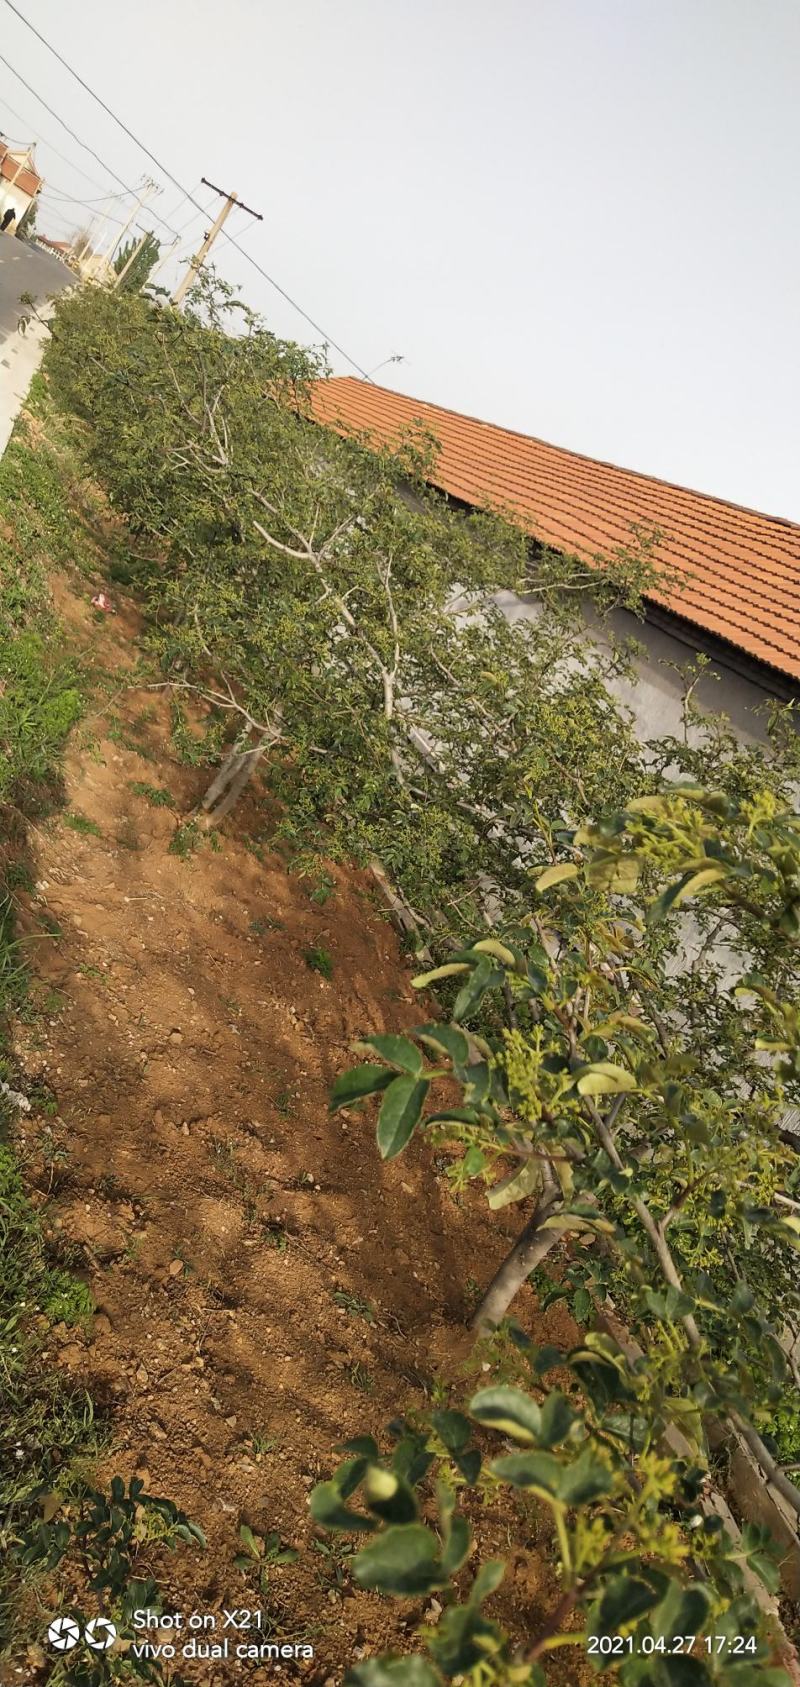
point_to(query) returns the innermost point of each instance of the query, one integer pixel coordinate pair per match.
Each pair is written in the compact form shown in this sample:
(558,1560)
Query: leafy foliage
(98,1540)
(341,612)
(347,620)
(142,257)
(638,1100)
(645,1571)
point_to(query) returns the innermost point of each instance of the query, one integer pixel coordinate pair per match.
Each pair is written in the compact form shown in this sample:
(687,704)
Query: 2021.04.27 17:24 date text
(616,1645)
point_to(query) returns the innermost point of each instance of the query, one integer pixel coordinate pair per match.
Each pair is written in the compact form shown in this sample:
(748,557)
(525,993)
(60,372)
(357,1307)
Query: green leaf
(456,1547)
(682,1670)
(658,910)
(587,1479)
(557,1419)
(487,1580)
(446,1039)
(455,1116)
(700,881)
(556,875)
(538,1473)
(623,1600)
(401,1560)
(359,1081)
(248,1538)
(327,1507)
(604,1078)
(607,869)
(755,1675)
(581,1305)
(400,1114)
(389,1496)
(397,1050)
(364,1445)
(491,946)
(452,1428)
(423,979)
(463,1639)
(683,1610)
(510,1411)
(474,1162)
(485,976)
(516,1186)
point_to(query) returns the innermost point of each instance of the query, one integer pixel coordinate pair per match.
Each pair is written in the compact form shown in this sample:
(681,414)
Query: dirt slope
(194,1173)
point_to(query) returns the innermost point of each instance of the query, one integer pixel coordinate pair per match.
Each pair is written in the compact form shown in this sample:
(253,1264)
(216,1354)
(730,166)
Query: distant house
(20,181)
(738,600)
(62,248)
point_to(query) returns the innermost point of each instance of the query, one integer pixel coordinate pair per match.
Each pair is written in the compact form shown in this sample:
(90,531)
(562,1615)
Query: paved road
(23,269)
(26,269)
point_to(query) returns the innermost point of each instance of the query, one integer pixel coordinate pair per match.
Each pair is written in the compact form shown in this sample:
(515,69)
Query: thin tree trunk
(236,772)
(229,767)
(531,1246)
(241,774)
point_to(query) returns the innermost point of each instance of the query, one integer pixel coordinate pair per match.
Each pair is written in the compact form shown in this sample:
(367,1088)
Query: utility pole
(195,264)
(146,190)
(118,279)
(96,228)
(164,258)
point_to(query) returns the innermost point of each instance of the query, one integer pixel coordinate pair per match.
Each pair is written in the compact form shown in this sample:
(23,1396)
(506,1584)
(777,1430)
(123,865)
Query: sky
(576,218)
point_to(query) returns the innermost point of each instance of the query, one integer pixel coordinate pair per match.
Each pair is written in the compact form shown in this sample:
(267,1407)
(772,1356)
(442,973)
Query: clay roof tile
(738,571)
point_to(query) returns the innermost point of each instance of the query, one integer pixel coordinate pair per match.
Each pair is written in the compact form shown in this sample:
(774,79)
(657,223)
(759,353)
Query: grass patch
(186,840)
(318,959)
(80,823)
(361,1378)
(46,1422)
(355,1305)
(155,795)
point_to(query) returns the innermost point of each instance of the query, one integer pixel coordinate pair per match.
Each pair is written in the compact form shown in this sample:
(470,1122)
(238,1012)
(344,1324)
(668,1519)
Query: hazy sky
(578,218)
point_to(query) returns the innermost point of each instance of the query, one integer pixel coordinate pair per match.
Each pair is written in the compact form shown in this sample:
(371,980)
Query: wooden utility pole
(118,279)
(147,188)
(195,264)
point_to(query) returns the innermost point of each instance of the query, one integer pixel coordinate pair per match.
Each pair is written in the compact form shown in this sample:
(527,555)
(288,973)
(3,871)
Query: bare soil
(216,1209)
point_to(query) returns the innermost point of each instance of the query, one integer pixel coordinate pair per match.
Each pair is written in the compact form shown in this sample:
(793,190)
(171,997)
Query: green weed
(355,1305)
(361,1378)
(80,823)
(186,840)
(319,959)
(156,795)
(265,923)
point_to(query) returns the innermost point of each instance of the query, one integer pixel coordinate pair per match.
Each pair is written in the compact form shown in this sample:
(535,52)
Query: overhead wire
(51,144)
(84,144)
(170,177)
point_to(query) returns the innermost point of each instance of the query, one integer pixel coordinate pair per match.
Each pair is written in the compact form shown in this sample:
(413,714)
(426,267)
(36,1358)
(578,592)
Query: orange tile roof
(739,570)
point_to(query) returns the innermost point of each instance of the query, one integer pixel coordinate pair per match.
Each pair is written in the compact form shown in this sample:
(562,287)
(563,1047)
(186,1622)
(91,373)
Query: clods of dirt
(266,1285)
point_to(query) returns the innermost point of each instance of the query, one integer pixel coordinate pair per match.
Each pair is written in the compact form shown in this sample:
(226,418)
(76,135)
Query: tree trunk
(530,1247)
(236,772)
(222,779)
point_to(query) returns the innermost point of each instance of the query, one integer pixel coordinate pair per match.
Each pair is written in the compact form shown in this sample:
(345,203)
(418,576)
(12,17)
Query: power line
(44,142)
(86,148)
(83,144)
(56,209)
(56,193)
(168,173)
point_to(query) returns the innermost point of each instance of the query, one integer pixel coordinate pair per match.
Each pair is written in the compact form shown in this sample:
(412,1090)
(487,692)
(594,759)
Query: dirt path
(264,1285)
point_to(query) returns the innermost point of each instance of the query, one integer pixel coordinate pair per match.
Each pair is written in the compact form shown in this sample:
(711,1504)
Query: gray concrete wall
(655,700)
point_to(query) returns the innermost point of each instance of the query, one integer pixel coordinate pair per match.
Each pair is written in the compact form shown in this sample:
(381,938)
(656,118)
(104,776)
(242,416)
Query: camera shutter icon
(63,1634)
(100,1633)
